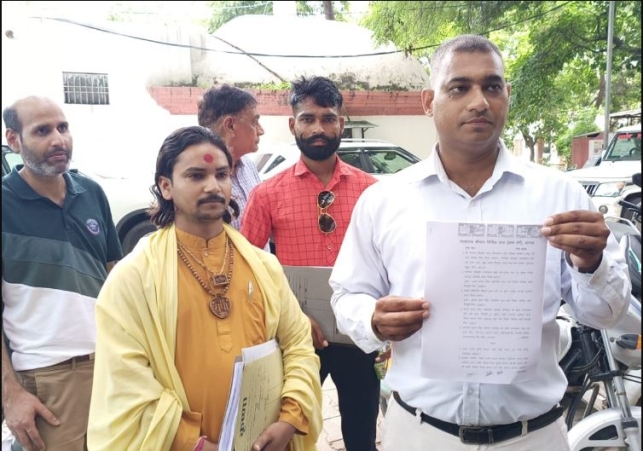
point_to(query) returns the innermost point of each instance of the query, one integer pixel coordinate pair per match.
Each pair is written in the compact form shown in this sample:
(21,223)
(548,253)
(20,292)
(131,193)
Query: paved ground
(331,436)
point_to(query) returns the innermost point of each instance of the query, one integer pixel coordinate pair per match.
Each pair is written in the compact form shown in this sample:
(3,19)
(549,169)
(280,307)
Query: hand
(581,233)
(396,318)
(383,357)
(275,437)
(20,410)
(319,340)
(209,446)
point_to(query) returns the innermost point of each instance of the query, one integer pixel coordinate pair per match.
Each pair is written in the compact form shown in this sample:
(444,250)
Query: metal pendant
(219,280)
(220,306)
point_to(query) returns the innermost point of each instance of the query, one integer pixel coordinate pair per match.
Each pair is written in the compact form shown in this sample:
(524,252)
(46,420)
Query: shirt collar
(432,166)
(341,168)
(26,192)
(196,242)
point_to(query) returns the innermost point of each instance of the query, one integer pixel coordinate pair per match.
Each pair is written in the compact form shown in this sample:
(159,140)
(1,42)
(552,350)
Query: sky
(194,12)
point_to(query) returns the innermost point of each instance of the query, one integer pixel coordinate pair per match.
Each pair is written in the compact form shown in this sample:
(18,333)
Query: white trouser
(403,431)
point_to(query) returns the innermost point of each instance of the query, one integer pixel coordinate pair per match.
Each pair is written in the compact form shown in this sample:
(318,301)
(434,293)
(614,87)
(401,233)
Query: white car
(128,199)
(376,157)
(610,179)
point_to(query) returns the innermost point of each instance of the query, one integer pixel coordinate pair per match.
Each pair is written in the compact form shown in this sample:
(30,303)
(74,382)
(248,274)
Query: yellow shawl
(138,398)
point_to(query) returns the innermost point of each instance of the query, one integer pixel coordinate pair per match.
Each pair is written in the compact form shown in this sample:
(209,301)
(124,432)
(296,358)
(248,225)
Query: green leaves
(555,52)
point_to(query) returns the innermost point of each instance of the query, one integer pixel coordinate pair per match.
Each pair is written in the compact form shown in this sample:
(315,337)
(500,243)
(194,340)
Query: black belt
(478,435)
(78,359)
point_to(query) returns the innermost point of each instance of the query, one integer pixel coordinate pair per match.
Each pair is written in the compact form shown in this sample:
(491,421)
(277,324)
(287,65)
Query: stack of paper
(255,396)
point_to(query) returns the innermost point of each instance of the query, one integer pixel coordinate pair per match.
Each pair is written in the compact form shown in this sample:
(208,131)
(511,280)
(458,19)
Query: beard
(318,153)
(41,166)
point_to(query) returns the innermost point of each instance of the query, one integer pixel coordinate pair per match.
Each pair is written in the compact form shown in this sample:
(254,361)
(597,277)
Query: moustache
(312,139)
(58,151)
(213,198)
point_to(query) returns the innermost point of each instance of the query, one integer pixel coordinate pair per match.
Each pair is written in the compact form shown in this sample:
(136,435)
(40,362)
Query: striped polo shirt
(53,265)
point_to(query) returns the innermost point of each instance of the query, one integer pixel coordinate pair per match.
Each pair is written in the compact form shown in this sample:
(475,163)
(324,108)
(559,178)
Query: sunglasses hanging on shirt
(325,221)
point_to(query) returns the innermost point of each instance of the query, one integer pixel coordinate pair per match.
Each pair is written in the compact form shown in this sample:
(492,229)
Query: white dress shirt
(383,254)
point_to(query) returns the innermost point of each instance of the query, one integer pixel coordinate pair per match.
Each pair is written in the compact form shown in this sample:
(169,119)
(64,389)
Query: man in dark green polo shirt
(58,245)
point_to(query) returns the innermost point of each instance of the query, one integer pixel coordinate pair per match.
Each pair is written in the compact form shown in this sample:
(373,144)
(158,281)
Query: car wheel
(134,234)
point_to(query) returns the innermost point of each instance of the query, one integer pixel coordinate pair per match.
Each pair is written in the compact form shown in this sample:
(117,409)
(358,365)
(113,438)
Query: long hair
(162,211)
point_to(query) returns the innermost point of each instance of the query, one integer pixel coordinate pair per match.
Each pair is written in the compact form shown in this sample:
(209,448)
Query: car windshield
(389,161)
(12,159)
(625,146)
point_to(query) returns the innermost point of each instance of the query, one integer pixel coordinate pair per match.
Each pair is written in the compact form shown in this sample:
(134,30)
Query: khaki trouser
(65,389)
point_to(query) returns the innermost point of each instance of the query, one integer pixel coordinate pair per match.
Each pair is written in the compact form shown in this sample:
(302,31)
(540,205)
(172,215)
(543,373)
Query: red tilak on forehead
(208,158)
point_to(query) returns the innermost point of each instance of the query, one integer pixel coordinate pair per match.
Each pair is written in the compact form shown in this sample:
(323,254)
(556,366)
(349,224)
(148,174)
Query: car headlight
(610,189)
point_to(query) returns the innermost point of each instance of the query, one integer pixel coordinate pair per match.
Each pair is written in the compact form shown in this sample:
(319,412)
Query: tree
(225,11)
(555,52)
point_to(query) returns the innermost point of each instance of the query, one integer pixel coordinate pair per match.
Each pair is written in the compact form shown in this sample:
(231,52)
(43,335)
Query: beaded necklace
(220,303)
(217,279)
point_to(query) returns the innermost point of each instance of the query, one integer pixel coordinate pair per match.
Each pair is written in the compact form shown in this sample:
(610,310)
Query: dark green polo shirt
(63,248)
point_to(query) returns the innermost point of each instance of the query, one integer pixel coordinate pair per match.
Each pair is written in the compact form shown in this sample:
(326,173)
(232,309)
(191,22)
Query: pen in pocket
(250,288)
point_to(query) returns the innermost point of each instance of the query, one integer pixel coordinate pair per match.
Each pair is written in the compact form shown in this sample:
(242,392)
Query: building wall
(583,147)
(398,115)
(124,136)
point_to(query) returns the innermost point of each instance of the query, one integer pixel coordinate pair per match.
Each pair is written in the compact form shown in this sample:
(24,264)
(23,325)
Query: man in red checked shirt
(307,209)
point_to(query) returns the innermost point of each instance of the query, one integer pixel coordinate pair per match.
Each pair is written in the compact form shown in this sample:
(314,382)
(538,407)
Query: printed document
(311,288)
(255,396)
(485,285)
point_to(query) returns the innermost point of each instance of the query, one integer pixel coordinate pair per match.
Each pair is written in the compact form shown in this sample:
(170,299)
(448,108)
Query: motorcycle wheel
(606,435)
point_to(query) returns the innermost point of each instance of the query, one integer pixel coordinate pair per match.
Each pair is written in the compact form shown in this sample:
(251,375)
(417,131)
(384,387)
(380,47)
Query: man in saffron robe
(182,305)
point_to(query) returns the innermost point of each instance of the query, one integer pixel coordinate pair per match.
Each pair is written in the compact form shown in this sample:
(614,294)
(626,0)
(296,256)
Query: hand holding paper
(319,339)
(396,318)
(582,234)
(275,437)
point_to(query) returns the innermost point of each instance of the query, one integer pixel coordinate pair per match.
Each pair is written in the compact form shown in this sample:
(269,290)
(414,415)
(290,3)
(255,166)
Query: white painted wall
(132,127)
(313,37)
(413,133)
(123,138)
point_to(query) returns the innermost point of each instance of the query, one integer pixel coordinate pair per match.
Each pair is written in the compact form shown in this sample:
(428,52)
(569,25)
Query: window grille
(86,88)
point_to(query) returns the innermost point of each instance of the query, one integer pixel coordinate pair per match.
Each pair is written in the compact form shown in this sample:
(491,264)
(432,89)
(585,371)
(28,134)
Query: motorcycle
(606,362)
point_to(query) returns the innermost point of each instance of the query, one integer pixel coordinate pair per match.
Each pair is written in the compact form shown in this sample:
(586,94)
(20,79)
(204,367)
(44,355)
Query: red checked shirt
(286,207)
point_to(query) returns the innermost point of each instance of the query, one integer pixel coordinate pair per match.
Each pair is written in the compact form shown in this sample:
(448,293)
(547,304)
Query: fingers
(319,339)
(46,414)
(400,304)
(383,357)
(581,233)
(29,438)
(274,438)
(23,438)
(261,443)
(397,318)
(20,417)
(574,216)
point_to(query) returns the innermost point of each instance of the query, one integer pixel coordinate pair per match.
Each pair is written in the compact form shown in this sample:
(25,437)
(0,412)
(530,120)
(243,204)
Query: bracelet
(200,443)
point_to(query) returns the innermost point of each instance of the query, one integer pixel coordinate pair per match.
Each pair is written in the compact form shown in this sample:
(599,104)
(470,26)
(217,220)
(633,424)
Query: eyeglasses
(325,221)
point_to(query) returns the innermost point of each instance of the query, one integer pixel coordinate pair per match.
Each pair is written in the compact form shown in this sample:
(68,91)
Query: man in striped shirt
(232,113)
(58,244)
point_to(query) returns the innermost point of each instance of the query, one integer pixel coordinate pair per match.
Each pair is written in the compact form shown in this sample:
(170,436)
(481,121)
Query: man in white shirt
(378,279)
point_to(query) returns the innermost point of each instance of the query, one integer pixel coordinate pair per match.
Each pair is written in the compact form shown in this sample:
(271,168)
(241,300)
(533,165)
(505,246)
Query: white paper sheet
(485,285)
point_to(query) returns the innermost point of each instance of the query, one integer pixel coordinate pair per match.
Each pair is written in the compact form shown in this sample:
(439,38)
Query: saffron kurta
(206,344)
(138,397)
